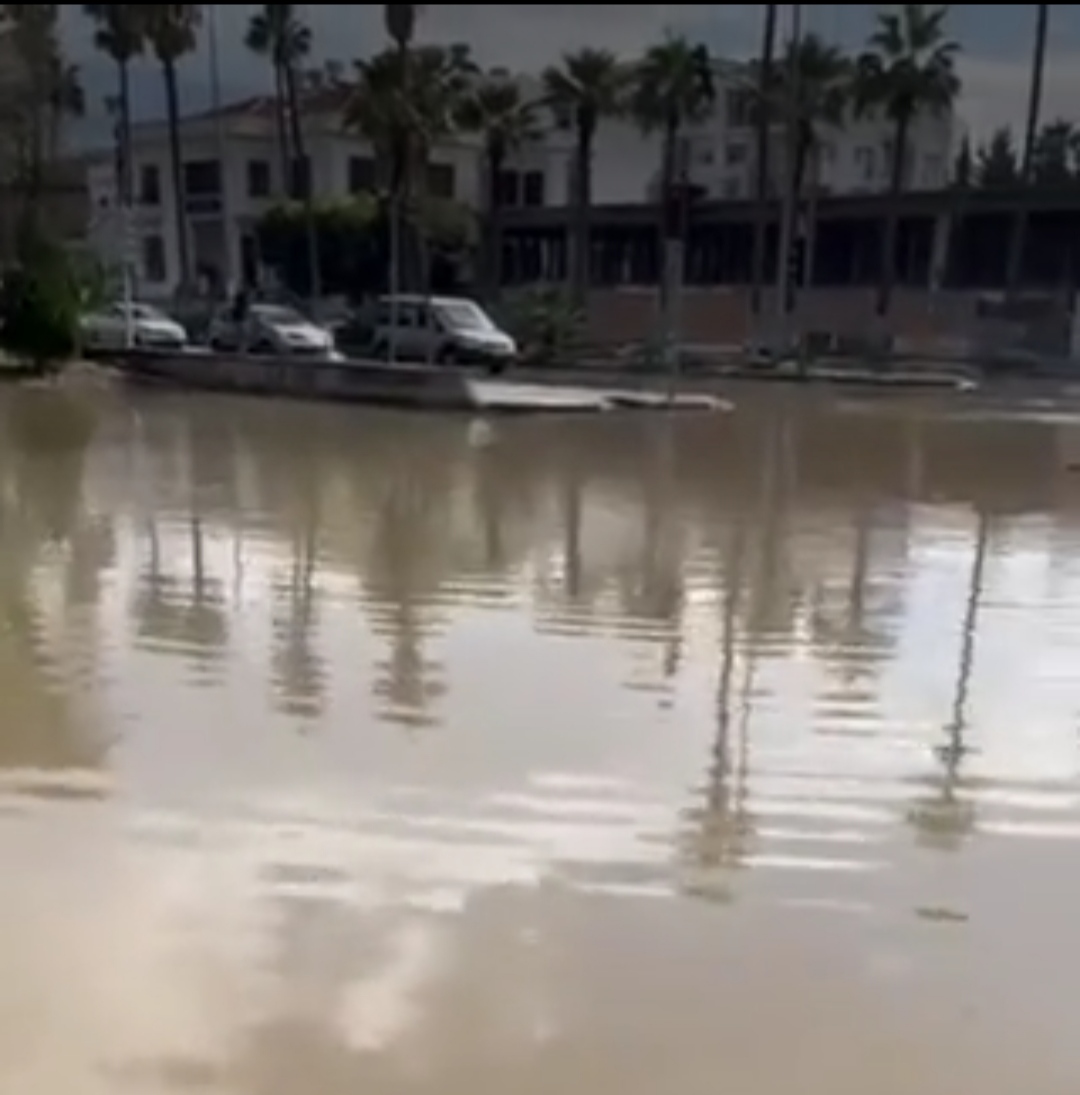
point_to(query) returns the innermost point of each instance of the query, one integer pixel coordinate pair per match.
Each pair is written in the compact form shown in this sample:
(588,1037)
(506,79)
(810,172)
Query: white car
(150,328)
(451,330)
(270,329)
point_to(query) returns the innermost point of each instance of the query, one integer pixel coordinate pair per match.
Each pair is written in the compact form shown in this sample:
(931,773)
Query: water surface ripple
(345,750)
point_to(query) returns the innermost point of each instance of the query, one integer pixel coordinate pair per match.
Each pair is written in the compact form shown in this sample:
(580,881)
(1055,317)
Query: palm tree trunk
(176,163)
(126,180)
(670,235)
(493,258)
(768,49)
(891,230)
(305,178)
(1018,237)
(582,212)
(795,208)
(281,123)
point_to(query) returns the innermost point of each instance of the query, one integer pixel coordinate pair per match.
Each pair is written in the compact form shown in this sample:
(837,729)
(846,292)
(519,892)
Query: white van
(451,330)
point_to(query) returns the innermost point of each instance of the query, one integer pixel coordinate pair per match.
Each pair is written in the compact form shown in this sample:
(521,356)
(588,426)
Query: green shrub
(547,323)
(39,309)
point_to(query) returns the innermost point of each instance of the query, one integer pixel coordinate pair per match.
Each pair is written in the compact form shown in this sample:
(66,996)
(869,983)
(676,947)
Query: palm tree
(496,110)
(671,87)
(586,88)
(119,35)
(818,76)
(171,31)
(267,36)
(763,125)
(400,22)
(404,104)
(46,91)
(278,32)
(1031,135)
(908,69)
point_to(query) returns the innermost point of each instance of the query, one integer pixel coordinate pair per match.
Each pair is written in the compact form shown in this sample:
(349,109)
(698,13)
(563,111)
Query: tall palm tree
(587,87)
(172,33)
(119,35)
(46,91)
(267,37)
(763,125)
(822,74)
(278,32)
(1031,135)
(671,87)
(404,104)
(400,22)
(818,76)
(496,110)
(907,70)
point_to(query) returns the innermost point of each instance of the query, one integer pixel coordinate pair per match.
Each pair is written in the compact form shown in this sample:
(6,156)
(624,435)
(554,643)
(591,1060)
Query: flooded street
(348,751)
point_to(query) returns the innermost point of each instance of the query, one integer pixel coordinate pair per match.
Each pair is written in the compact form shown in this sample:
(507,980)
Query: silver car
(270,329)
(146,326)
(450,330)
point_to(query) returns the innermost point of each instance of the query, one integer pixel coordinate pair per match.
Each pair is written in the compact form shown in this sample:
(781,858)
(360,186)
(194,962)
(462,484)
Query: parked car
(269,329)
(150,327)
(451,330)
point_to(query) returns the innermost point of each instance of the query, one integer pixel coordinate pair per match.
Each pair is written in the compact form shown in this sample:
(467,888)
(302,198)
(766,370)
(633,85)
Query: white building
(231,174)
(231,167)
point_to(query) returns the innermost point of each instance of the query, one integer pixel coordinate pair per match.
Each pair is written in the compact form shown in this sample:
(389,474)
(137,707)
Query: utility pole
(790,205)
(222,143)
(1020,222)
(764,123)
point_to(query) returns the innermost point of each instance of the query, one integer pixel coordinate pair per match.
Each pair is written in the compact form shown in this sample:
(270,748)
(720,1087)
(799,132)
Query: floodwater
(345,751)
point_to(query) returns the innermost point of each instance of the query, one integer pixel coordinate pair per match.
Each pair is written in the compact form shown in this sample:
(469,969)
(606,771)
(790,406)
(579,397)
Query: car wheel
(264,347)
(448,355)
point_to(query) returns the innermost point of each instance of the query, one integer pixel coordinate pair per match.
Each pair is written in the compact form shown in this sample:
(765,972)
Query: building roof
(323,100)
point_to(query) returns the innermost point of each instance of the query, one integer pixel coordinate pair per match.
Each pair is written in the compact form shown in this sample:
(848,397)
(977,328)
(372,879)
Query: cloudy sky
(996,40)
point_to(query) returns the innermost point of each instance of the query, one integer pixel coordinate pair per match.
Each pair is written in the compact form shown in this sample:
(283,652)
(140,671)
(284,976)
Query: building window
(300,170)
(736,154)
(933,171)
(153,259)
(508,189)
(533,189)
(740,107)
(258,178)
(202,178)
(149,185)
(362,175)
(865,164)
(441,180)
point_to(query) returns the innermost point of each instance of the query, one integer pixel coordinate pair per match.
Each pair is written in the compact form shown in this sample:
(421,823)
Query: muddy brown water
(347,751)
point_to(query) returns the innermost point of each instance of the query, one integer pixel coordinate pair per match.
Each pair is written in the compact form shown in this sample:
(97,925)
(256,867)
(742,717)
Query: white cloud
(996,92)
(528,36)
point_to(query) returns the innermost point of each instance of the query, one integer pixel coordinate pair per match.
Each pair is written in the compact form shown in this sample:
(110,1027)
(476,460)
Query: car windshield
(463,315)
(278,314)
(140,311)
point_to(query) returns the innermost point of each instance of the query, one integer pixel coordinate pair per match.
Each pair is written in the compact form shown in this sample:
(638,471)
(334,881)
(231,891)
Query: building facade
(232,175)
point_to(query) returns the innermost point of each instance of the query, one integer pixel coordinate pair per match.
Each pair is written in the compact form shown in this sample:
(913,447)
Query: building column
(940,251)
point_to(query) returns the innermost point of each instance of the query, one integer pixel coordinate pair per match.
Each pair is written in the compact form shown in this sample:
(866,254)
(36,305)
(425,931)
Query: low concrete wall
(946,323)
(348,381)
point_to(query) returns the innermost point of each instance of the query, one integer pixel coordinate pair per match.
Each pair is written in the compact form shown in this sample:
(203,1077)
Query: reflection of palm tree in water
(943,819)
(407,524)
(652,586)
(43,445)
(721,825)
(296,667)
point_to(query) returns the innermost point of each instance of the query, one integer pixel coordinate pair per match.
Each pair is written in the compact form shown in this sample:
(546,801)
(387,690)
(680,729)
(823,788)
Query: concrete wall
(921,320)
